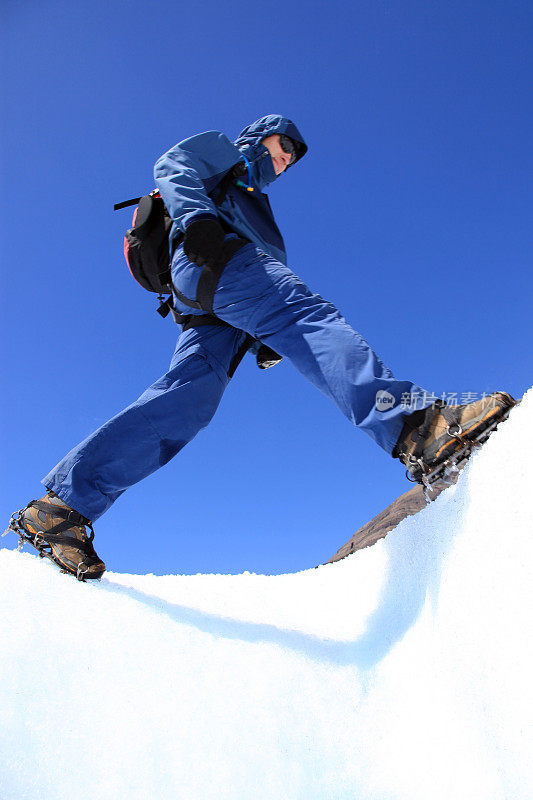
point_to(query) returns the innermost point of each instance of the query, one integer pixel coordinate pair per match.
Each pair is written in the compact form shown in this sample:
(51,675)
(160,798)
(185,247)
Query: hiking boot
(57,531)
(432,435)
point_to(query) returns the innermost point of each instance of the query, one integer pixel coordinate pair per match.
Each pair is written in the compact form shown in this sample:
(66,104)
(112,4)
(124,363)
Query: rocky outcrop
(404,506)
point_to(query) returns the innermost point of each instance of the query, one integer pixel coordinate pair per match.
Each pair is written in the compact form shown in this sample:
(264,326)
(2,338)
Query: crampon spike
(448,470)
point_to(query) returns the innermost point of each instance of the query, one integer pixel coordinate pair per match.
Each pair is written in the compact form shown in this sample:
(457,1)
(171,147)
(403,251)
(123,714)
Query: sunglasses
(288,146)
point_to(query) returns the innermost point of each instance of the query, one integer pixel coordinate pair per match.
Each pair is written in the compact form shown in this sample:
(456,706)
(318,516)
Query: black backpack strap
(187,302)
(210,276)
(125,203)
(197,320)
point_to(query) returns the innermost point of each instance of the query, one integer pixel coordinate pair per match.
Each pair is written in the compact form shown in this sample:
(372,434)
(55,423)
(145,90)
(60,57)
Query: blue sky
(411,212)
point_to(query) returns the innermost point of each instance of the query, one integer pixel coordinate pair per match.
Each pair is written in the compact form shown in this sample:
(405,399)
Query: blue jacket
(191,170)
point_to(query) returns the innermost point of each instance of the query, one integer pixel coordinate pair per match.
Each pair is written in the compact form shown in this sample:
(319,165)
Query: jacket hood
(249,143)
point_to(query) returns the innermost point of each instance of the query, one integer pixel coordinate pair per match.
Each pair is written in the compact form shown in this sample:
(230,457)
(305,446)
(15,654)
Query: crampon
(447,471)
(56,541)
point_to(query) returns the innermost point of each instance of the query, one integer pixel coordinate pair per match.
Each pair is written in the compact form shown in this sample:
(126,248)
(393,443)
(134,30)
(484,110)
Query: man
(232,285)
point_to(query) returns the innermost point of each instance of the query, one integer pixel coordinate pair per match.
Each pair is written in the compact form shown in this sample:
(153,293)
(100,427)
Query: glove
(203,242)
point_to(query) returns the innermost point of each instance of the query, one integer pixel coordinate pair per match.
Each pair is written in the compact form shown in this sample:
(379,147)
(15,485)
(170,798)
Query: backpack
(146,243)
(147,253)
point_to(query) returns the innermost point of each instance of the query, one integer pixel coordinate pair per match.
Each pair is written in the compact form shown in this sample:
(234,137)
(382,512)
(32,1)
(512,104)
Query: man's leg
(153,429)
(265,298)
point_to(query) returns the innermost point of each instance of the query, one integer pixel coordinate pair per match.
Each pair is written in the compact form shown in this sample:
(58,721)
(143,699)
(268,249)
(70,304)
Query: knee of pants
(183,401)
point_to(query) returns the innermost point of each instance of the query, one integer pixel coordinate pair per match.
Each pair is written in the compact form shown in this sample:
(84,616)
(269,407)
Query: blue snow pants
(260,296)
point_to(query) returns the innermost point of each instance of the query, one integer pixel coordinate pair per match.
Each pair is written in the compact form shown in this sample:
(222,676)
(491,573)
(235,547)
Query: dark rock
(404,506)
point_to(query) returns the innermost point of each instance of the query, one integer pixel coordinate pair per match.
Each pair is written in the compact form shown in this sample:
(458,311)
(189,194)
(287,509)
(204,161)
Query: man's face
(280,158)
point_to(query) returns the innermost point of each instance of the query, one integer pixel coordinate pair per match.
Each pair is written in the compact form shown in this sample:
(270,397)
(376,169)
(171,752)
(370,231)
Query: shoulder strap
(125,203)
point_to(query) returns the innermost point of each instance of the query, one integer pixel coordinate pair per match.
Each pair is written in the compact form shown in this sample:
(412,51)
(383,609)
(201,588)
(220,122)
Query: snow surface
(403,671)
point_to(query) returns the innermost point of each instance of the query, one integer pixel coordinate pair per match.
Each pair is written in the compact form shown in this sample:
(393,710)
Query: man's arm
(189,171)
